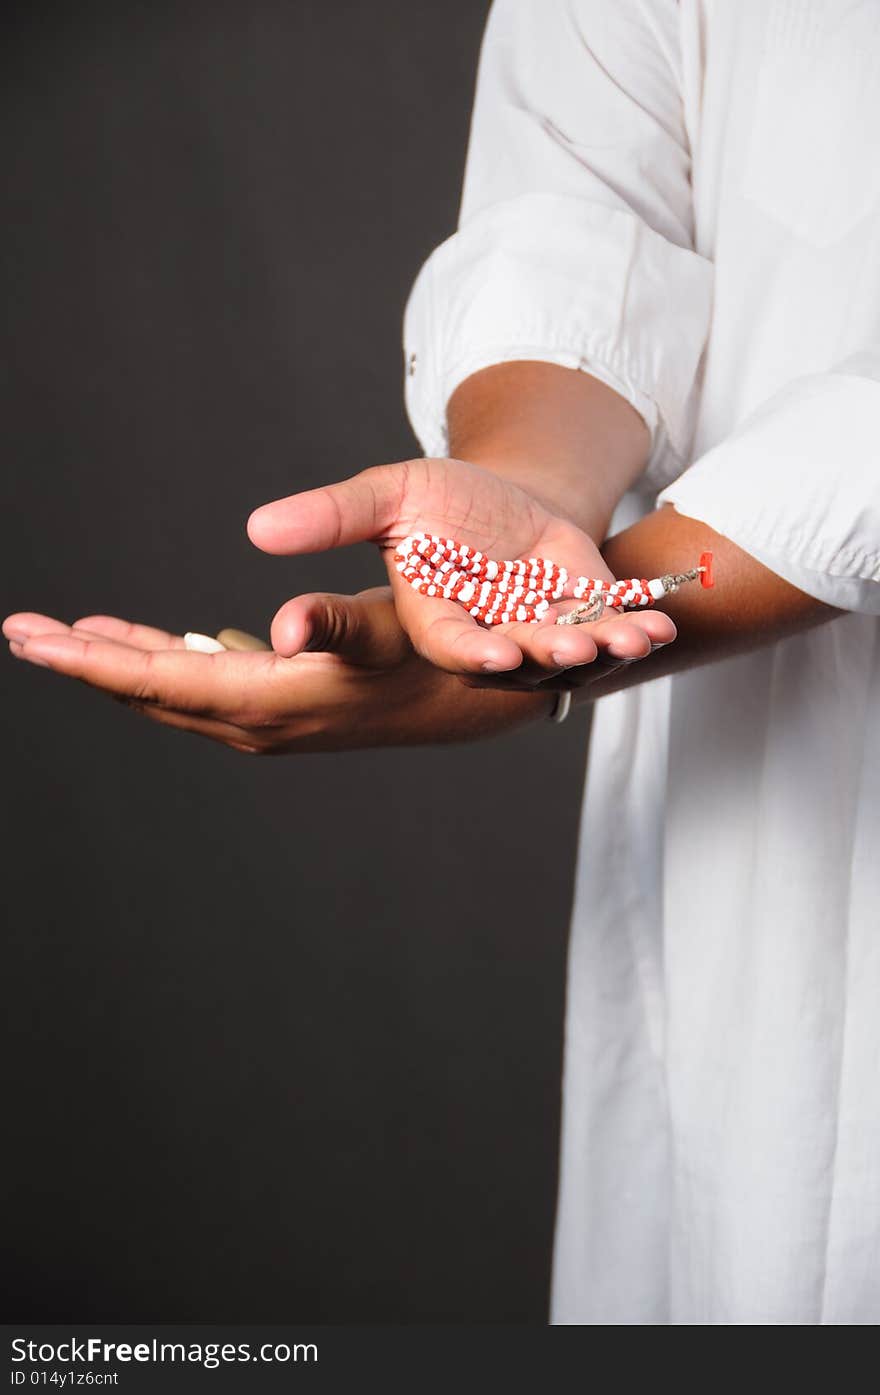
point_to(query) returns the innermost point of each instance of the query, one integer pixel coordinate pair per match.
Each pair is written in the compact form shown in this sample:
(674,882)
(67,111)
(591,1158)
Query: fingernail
(617,653)
(561,660)
(490,667)
(18,635)
(35,659)
(661,644)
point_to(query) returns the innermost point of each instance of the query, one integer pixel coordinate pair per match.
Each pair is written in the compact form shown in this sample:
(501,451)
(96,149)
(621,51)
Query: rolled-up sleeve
(797,485)
(575,243)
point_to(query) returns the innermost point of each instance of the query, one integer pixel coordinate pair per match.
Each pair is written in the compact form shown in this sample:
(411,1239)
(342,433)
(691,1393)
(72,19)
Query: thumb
(363,629)
(360,509)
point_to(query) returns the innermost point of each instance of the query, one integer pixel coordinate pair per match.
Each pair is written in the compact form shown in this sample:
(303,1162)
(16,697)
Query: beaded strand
(497,593)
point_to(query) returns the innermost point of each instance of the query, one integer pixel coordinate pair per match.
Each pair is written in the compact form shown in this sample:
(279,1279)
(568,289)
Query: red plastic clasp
(707,577)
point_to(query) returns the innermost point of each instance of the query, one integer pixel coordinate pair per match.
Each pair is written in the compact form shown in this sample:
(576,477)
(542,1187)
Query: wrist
(562,436)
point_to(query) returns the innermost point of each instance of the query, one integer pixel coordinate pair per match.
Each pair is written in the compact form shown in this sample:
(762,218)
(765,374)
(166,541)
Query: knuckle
(330,625)
(336,625)
(388,484)
(143,689)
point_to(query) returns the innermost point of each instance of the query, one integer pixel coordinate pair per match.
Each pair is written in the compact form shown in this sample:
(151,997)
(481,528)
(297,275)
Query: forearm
(748,607)
(560,434)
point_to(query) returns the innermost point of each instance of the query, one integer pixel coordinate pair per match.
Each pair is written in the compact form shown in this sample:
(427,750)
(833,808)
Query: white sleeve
(575,243)
(797,485)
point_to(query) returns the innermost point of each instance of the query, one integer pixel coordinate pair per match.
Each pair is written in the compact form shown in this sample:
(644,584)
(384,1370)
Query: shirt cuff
(797,486)
(560,280)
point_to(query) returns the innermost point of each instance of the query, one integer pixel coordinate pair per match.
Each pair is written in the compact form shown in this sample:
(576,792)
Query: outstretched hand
(356,681)
(457,499)
(353,679)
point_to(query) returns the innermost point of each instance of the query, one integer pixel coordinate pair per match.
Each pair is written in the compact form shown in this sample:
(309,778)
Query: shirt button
(411,364)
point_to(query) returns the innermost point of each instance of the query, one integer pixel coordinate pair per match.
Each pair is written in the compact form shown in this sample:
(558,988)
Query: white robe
(684,200)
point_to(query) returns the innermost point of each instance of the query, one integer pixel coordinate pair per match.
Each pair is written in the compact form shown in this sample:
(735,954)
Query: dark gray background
(281,1047)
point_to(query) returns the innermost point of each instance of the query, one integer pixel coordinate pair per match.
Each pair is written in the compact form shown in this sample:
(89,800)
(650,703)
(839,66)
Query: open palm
(457,499)
(359,685)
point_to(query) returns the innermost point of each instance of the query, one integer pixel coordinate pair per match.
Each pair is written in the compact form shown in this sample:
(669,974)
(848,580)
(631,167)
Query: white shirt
(684,200)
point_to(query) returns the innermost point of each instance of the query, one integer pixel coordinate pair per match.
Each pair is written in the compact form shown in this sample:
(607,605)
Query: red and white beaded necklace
(496,593)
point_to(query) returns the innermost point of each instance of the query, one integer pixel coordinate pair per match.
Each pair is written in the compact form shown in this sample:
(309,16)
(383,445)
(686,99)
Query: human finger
(360,509)
(128,632)
(24,624)
(551,651)
(227,733)
(221,685)
(363,629)
(619,635)
(451,639)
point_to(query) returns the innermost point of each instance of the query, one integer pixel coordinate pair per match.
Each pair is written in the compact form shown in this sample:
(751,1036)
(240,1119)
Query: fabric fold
(797,485)
(560,280)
